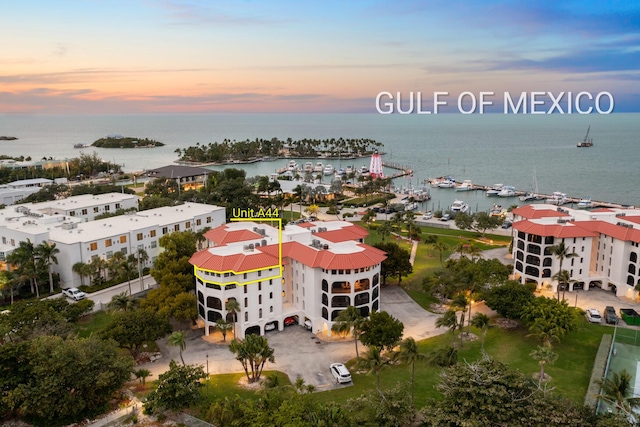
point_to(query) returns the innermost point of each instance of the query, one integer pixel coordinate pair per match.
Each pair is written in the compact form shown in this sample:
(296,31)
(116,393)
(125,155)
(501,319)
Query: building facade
(305,273)
(605,243)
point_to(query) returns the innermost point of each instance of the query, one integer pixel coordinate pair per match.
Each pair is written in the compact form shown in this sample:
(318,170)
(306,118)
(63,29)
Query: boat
(586,142)
(80,145)
(447,183)
(292,166)
(363,170)
(507,191)
(497,210)
(340,171)
(557,198)
(308,167)
(319,168)
(412,206)
(459,206)
(585,203)
(328,170)
(531,196)
(349,170)
(465,186)
(493,191)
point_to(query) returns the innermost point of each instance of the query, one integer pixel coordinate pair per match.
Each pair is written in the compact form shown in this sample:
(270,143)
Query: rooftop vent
(264,242)
(325,247)
(621,214)
(562,221)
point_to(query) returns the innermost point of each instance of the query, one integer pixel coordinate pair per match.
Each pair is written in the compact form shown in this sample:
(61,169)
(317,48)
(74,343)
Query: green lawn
(93,323)
(227,385)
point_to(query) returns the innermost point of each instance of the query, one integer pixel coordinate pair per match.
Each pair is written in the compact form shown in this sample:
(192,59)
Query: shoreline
(269,159)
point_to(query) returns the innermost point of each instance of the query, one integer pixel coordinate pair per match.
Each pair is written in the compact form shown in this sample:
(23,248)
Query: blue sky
(155,56)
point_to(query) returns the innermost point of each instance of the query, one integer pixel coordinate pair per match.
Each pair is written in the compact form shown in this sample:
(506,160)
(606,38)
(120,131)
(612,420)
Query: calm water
(486,149)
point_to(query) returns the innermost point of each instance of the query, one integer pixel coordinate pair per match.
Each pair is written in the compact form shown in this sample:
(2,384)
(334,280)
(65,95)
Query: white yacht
(507,191)
(447,183)
(292,166)
(465,186)
(557,198)
(459,206)
(328,170)
(319,168)
(493,191)
(585,203)
(308,167)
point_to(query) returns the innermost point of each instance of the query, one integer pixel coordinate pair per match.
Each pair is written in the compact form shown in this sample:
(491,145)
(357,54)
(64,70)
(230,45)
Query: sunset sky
(172,56)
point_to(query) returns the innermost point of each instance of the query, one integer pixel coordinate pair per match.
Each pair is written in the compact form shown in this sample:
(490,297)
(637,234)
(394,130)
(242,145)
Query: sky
(205,56)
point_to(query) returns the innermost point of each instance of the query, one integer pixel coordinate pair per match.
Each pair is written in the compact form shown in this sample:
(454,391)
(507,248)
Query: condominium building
(80,240)
(605,243)
(305,274)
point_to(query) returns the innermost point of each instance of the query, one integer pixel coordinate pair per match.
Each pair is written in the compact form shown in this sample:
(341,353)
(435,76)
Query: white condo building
(80,240)
(318,270)
(606,242)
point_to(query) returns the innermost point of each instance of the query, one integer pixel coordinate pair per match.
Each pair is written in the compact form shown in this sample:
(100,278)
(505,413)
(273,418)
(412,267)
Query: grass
(95,322)
(227,385)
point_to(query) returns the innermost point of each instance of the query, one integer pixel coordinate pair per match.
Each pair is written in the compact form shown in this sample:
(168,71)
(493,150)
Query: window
(259,299)
(208,219)
(246,316)
(244,276)
(93,246)
(107,243)
(260,314)
(259,273)
(123,239)
(154,244)
(270,295)
(152,233)
(72,213)
(117,205)
(84,211)
(176,227)
(124,251)
(139,236)
(187,224)
(198,221)
(164,230)
(109,254)
(246,302)
(95,210)
(270,281)
(107,208)
(270,309)
(245,289)
(259,286)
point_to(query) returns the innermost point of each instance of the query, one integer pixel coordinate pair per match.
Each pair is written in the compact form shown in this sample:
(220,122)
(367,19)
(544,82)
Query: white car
(269,326)
(593,316)
(74,294)
(427,215)
(340,373)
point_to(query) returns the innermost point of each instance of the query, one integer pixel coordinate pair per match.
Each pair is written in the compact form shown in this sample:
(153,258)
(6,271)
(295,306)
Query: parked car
(74,294)
(270,326)
(610,315)
(593,316)
(308,325)
(340,373)
(427,215)
(507,224)
(288,321)
(445,217)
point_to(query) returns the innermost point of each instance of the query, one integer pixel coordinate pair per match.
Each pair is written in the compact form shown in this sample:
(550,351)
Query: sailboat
(532,196)
(586,142)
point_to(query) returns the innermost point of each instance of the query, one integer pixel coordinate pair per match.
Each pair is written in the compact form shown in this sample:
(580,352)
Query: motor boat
(328,170)
(319,168)
(308,167)
(557,198)
(498,210)
(585,203)
(529,197)
(447,183)
(493,191)
(292,166)
(363,170)
(459,206)
(507,191)
(465,186)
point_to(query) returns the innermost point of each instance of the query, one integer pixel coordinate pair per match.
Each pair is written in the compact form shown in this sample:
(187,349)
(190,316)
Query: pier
(402,170)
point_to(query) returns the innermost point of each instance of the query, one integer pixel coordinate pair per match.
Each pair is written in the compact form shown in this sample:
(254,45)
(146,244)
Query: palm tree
(617,391)
(23,258)
(373,361)
(128,266)
(460,302)
(47,253)
(142,374)
(561,252)
(176,339)
(349,321)
(564,278)
(441,247)
(122,302)
(233,308)
(384,230)
(141,258)
(547,334)
(80,269)
(481,320)
(7,281)
(543,355)
(200,239)
(448,320)
(409,354)
(224,327)
(475,252)
(115,264)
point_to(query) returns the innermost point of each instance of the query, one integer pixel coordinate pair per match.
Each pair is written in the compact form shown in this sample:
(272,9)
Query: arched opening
(340,287)
(547,262)
(340,301)
(360,299)
(631,269)
(364,311)
(215,303)
(213,315)
(532,271)
(361,285)
(533,249)
(325,313)
(325,285)
(252,330)
(200,298)
(533,260)
(633,257)
(325,299)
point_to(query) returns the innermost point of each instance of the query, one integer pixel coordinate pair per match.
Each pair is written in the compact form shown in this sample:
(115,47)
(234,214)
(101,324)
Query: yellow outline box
(278,266)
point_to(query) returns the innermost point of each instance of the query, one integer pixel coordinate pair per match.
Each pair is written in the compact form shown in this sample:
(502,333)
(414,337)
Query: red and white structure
(606,241)
(318,270)
(375,167)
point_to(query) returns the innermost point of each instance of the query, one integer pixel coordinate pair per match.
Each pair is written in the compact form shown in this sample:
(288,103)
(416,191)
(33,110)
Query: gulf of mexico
(486,149)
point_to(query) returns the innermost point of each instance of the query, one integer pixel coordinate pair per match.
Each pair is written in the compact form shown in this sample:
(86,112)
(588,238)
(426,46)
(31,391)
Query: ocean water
(487,149)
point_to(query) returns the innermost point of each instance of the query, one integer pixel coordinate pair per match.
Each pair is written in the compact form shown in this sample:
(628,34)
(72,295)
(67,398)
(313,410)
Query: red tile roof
(571,229)
(529,212)
(616,231)
(238,263)
(602,210)
(634,219)
(353,232)
(222,235)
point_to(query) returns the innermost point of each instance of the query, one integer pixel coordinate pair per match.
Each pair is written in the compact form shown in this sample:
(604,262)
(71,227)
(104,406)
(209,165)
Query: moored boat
(507,191)
(585,203)
(557,198)
(447,183)
(308,167)
(319,168)
(465,186)
(493,191)
(328,170)
(459,206)
(292,166)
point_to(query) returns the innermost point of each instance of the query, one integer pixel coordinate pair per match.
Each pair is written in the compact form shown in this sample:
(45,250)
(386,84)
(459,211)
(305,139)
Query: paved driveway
(418,323)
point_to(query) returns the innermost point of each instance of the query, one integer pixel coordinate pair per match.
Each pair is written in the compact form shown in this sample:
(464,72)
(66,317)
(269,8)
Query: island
(7,138)
(119,141)
(248,151)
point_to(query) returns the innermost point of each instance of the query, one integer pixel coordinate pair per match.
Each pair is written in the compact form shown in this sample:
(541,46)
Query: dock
(402,170)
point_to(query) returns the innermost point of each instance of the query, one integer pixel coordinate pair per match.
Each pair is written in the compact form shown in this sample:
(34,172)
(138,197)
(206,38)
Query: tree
(176,339)
(252,352)
(233,307)
(178,388)
(7,281)
(479,222)
(388,408)
(397,262)
(543,354)
(121,302)
(373,361)
(47,253)
(381,330)
(384,230)
(409,354)
(549,319)
(618,391)
(510,298)
(131,329)
(223,326)
(312,210)
(563,277)
(448,320)
(80,269)
(561,252)
(481,321)
(142,374)
(441,247)
(349,321)
(53,392)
